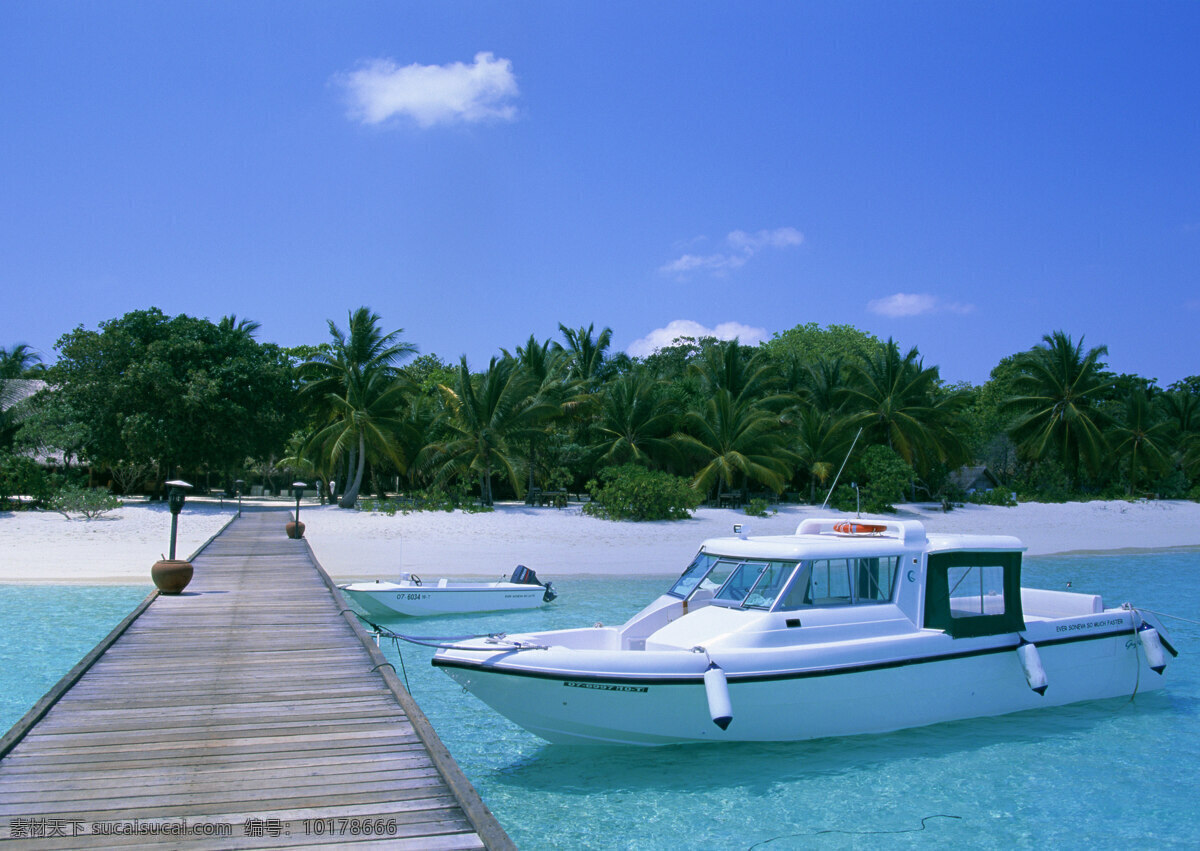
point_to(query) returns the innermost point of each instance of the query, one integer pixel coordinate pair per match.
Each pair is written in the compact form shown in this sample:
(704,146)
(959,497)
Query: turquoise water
(46,629)
(1106,774)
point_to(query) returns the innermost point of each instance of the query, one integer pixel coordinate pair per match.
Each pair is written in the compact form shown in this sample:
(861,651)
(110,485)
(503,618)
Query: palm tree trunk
(350,465)
(351,495)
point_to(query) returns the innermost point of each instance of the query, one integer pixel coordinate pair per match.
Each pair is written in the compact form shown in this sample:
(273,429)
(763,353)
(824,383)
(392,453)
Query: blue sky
(963,177)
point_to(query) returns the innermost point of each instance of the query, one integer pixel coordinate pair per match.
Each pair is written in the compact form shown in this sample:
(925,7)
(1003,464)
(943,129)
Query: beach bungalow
(978,479)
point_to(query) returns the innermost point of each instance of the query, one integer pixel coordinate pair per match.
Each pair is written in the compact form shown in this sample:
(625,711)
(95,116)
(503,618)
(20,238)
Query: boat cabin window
(842,582)
(976,590)
(970,594)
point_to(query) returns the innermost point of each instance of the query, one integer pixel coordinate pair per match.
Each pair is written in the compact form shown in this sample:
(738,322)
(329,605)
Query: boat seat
(443,582)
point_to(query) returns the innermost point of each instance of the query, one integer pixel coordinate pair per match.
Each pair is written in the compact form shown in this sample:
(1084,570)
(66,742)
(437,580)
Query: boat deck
(251,711)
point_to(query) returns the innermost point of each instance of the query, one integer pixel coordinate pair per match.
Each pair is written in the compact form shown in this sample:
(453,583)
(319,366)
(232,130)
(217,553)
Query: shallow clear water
(46,629)
(1106,774)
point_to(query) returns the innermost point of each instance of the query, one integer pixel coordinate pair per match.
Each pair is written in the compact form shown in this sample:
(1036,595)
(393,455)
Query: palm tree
(365,422)
(823,384)
(240,327)
(544,366)
(900,404)
(354,389)
(819,444)
(636,422)
(723,367)
(586,353)
(1142,437)
(1181,408)
(738,442)
(486,416)
(18,360)
(1055,395)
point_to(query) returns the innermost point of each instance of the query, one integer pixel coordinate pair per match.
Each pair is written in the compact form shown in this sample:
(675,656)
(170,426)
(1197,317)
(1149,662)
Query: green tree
(737,442)
(900,404)
(1141,438)
(178,392)
(743,372)
(487,416)
(18,361)
(1056,393)
(809,343)
(365,424)
(586,353)
(819,443)
(636,422)
(355,389)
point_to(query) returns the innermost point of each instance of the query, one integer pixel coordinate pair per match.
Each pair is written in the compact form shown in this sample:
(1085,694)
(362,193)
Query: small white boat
(842,628)
(414,598)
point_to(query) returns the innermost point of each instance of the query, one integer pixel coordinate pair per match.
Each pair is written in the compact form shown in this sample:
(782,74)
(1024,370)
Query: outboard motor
(524,576)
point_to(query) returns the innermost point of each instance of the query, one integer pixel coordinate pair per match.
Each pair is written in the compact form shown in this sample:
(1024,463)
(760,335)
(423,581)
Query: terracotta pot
(171,575)
(295,529)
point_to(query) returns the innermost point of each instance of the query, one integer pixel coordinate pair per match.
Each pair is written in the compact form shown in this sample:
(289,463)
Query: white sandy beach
(44,547)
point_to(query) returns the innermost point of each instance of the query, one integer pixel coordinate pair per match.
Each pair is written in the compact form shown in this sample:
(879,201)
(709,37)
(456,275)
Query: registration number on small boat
(605,686)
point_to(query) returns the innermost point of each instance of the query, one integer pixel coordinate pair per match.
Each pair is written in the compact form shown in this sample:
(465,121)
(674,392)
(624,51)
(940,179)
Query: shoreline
(44,548)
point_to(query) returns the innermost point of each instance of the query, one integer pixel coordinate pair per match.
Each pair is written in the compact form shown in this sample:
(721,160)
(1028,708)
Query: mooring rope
(1164,615)
(495,640)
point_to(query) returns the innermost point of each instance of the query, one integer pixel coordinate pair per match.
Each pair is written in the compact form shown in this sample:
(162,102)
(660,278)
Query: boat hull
(428,600)
(562,696)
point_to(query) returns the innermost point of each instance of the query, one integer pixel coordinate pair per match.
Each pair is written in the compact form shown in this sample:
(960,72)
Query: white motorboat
(842,628)
(414,598)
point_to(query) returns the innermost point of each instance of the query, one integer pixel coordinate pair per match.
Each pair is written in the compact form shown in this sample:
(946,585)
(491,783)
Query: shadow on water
(760,766)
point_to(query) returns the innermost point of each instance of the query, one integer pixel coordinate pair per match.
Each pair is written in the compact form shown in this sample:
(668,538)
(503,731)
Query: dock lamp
(175,497)
(171,575)
(240,484)
(295,529)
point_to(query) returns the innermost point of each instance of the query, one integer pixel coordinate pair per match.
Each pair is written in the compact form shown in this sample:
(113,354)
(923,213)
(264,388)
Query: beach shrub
(434,499)
(758,508)
(884,478)
(1043,481)
(90,502)
(23,477)
(634,493)
(998,496)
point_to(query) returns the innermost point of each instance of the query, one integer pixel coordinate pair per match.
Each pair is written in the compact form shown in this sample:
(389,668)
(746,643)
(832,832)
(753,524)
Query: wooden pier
(251,711)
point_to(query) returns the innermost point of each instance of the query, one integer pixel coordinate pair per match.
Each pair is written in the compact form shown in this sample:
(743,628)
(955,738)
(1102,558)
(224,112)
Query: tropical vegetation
(365,416)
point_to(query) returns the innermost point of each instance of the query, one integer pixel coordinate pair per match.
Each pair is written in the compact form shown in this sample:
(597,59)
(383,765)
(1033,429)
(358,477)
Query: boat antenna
(839,472)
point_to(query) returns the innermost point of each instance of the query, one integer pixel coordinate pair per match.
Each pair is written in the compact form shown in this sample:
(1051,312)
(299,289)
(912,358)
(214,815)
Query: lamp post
(295,529)
(239,484)
(175,497)
(171,575)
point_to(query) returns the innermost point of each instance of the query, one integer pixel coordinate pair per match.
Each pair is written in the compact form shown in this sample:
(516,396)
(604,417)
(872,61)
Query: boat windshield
(754,584)
(692,577)
(703,577)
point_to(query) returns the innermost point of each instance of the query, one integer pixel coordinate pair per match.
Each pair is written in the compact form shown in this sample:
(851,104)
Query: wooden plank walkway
(251,711)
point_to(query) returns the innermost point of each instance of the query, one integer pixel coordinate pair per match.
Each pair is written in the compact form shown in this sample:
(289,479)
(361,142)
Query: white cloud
(677,328)
(432,94)
(715,263)
(914,304)
(752,243)
(742,246)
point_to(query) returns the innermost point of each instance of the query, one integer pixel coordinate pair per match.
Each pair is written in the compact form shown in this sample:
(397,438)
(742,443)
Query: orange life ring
(858,528)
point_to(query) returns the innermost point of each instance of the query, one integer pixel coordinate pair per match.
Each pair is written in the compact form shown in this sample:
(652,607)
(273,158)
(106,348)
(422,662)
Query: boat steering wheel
(416,580)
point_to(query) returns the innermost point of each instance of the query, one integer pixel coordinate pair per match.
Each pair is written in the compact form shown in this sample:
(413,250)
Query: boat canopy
(973,593)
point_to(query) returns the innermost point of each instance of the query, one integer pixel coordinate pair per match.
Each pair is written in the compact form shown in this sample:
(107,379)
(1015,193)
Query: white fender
(1152,647)
(717,689)
(1031,662)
